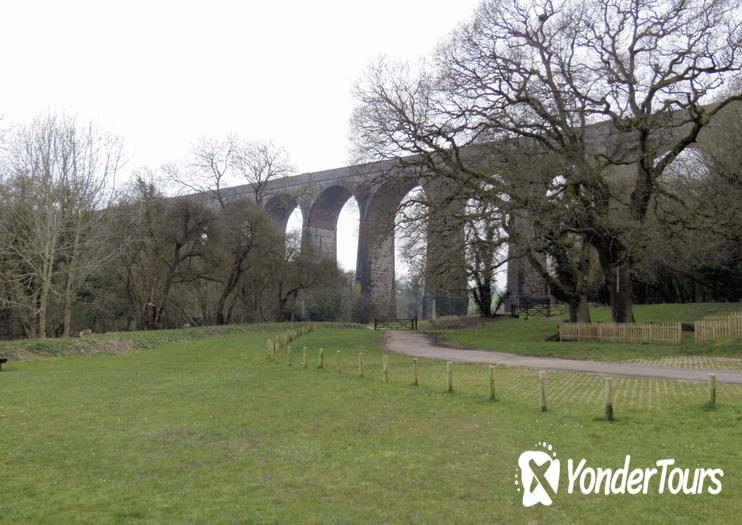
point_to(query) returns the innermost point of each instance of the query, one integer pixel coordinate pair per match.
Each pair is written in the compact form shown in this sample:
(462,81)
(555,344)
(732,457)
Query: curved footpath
(419,345)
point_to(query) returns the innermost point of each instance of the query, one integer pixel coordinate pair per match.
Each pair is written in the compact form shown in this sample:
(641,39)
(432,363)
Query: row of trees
(54,179)
(571,117)
(75,253)
(555,126)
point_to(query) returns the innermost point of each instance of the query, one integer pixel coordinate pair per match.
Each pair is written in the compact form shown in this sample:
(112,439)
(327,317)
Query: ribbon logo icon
(539,475)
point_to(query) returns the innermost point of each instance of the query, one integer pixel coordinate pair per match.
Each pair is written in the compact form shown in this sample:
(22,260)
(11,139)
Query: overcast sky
(162,73)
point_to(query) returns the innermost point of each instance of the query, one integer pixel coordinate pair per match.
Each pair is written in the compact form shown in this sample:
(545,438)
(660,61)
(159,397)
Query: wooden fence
(714,328)
(667,333)
(395,324)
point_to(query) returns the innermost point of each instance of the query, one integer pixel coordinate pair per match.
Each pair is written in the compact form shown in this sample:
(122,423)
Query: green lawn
(528,336)
(207,430)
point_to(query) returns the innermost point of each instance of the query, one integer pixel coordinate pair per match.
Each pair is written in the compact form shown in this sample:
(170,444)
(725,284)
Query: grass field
(528,336)
(207,430)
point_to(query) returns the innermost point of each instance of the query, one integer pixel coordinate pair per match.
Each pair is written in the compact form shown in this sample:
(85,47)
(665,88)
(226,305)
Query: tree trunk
(70,289)
(483,300)
(67,317)
(69,299)
(620,289)
(579,312)
(43,306)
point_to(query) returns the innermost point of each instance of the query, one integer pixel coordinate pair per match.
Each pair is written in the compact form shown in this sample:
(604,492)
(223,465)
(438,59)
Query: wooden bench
(3,360)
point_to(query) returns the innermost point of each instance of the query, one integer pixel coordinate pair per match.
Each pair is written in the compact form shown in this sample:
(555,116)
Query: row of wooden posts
(275,343)
(609,393)
(274,346)
(273,355)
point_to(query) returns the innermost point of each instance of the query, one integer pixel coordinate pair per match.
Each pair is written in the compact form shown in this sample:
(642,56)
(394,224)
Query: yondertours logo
(538,473)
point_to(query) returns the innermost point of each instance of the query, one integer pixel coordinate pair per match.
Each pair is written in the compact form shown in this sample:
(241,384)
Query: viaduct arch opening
(410,253)
(347,236)
(321,225)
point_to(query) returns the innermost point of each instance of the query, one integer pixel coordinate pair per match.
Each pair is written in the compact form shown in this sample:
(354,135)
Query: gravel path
(419,345)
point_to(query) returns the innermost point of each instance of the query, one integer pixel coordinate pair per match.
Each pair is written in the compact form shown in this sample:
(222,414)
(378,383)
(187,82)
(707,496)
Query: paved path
(419,345)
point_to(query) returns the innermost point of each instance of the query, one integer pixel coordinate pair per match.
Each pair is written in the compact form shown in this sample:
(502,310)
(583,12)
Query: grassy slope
(118,342)
(208,431)
(527,336)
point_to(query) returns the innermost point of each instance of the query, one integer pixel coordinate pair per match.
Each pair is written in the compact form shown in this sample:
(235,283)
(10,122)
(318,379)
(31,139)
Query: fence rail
(667,333)
(706,330)
(396,324)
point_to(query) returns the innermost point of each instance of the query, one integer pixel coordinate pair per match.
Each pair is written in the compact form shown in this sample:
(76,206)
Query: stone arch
(375,261)
(320,227)
(279,208)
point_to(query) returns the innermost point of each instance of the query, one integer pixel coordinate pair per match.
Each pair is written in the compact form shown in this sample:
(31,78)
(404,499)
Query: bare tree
(241,227)
(216,166)
(58,176)
(166,240)
(485,240)
(261,162)
(699,205)
(210,169)
(546,74)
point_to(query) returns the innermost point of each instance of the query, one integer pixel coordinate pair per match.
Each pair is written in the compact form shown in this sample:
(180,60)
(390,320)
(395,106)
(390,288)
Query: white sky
(162,73)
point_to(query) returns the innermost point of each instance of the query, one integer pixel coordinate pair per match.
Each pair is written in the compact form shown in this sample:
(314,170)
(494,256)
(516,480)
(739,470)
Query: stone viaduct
(322,195)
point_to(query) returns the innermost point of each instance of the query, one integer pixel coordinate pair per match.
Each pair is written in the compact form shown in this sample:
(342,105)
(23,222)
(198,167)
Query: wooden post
(288,355)
(492,382)
(385,361)
(449,375)
(609,398)
(321,358)
(360,364)
(414,372)
(712,390)
(338,362)
(304,351)
(542,386)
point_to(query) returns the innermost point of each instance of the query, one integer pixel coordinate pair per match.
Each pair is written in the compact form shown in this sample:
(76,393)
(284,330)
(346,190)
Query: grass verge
(209,431)
(528,336)
(127,342)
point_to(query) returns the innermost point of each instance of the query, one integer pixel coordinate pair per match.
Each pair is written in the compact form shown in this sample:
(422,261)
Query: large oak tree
(616,89)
